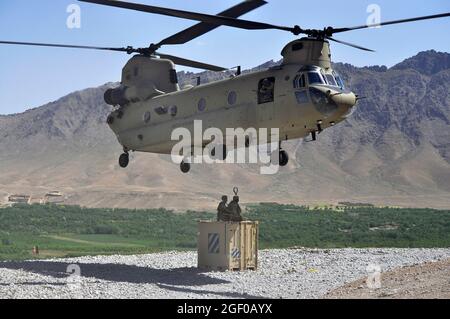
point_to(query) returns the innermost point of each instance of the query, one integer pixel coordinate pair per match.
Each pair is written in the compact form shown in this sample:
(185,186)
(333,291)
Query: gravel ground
(291,273)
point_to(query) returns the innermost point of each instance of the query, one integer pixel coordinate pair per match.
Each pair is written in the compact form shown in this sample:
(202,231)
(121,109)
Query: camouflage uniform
(222,210)
(235,210)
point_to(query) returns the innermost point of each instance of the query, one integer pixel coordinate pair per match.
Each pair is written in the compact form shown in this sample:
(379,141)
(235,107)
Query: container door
(233,252)
(249,246)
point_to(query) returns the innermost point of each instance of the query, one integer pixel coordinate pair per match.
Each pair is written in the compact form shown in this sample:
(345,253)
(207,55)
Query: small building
(19,199)
(53,197)
(54,194)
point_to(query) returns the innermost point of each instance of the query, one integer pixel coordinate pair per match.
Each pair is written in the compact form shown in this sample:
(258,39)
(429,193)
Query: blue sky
(31,77)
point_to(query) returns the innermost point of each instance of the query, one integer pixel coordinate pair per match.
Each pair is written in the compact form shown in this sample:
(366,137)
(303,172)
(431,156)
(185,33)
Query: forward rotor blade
(349,44)
(207,18)
(436,16)
(67,46)
(191,63)
(203,27)
(129,50)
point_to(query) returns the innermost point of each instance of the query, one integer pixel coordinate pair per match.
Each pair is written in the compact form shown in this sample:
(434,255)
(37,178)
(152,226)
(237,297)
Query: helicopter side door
(266,99)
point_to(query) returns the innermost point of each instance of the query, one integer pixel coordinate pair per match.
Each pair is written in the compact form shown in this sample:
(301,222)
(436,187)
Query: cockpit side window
(299,81)
(314,78)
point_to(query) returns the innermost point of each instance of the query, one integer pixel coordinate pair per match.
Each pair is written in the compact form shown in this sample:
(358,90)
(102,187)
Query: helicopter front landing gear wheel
(185,167)
(283,158)
(124,160)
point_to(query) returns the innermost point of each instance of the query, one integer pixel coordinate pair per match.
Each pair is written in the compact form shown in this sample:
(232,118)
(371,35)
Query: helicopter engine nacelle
(123,95)
(116,96)
(143,78)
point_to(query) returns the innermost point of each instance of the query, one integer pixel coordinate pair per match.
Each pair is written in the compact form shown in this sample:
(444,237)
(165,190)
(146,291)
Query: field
(64,231)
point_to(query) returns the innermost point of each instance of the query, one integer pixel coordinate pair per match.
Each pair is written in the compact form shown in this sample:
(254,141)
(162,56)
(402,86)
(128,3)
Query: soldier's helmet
(236,198)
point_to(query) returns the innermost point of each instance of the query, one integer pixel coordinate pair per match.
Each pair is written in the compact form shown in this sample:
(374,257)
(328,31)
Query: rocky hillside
(394,150)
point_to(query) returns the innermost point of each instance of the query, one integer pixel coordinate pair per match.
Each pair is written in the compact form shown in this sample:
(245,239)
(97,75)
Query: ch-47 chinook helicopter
(301,97)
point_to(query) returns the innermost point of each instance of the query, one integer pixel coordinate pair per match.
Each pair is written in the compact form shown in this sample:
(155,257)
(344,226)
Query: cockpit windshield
(331,80)
(334,80)
(315,78)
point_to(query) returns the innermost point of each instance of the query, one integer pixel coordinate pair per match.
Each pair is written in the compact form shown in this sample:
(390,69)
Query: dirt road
(427,281)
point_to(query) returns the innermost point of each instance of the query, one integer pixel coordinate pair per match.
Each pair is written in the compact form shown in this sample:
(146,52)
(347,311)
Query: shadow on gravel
(229,294)
(119,273)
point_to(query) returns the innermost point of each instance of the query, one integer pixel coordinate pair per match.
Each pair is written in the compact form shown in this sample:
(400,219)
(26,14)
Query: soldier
(235,210)
(222,214)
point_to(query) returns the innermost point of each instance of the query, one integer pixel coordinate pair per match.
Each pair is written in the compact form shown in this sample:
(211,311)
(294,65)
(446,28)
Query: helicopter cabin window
(232,98)
(266,90)
(299,81)
(161,110)
(173,110)
(314,78)
(201,105)
(146,117)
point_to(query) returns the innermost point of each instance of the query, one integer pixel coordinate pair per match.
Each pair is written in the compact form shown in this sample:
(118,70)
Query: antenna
(238,70)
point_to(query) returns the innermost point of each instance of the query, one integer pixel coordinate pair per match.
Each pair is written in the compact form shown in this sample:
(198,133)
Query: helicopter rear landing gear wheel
(185,167)
(284,158)
(216,152)
(124,160)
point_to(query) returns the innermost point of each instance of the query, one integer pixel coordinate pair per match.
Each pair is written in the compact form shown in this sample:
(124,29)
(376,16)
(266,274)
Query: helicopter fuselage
(297,98)
(296,110)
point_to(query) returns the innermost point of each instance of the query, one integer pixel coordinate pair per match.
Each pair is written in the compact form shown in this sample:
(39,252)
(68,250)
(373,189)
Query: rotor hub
(328,31)
(297,30)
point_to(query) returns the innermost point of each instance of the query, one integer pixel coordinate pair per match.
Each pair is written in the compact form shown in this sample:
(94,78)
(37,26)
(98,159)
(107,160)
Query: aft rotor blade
(191,63)
(66,46)
(208,18)
(350,44)
(203,27)
(435,16)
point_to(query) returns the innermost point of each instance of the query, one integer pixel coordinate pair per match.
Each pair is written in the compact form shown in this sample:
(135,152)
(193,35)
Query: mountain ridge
(394,150)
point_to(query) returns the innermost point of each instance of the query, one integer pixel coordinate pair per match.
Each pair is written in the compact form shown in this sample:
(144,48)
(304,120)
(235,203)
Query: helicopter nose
(347,100)
(332,102)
